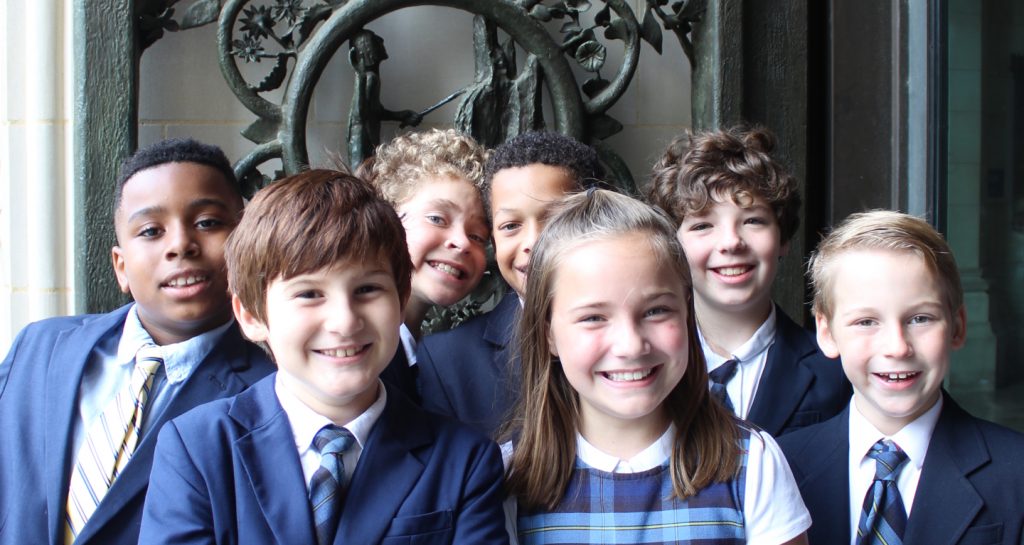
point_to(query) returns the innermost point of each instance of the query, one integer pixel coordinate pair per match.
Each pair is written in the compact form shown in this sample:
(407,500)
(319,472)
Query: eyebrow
(198,203)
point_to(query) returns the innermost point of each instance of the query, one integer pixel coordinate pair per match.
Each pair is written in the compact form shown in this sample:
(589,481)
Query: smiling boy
(321,451)
(888,300)
(736,210)
(68,472)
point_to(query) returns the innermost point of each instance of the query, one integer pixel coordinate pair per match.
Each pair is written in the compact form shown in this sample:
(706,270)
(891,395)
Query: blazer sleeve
(178,505)
(481,519)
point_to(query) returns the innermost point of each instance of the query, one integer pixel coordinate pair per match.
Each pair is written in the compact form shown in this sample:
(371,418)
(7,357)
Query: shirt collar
(651,457)
(758,343)
(180,359)
(408,344)
(306,422)
(913,439)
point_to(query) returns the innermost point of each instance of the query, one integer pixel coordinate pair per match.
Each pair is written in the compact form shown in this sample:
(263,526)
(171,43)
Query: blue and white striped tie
(110,443)
(884,519)
(327,486)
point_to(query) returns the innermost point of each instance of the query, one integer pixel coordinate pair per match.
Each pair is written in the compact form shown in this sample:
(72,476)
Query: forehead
(436,189)
(726,200)
(511,187)
(619,267)
(172,185)
(879,275)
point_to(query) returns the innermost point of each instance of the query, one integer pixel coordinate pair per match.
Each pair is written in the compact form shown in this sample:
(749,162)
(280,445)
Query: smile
(897,377)
(343,352)
(447,269)
(733,271)
(628,376)
(185,281)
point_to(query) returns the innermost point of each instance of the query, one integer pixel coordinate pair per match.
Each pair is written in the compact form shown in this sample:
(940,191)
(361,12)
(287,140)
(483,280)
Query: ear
(252,327)
(826,342)
(551,342)
(117,259)
(959,328)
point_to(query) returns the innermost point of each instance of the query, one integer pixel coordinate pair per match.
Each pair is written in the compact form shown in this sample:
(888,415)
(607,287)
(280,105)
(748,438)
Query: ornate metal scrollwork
(298,38)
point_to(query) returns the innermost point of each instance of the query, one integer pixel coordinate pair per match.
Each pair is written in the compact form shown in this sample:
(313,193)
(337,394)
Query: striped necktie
(719,378)
(884,519)
(327,486)
(110,443)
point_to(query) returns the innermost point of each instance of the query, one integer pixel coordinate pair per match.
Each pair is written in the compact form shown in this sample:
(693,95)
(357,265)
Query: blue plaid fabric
(605,508)
(327,486)
(884,519)
(719,378)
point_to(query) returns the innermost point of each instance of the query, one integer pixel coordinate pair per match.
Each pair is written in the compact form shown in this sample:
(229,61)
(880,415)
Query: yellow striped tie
(110,443)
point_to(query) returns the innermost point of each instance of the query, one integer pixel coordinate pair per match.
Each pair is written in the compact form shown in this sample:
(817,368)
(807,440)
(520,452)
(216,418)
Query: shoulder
(50,328)
(797,443)
(957,426)
(228,417)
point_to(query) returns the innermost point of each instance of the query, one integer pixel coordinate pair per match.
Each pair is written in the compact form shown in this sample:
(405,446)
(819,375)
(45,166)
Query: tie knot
(723,373)
(889,458)
(148,359)
(333,439)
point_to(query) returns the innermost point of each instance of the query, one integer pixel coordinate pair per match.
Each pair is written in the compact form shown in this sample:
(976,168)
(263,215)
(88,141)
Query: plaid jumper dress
(606,508)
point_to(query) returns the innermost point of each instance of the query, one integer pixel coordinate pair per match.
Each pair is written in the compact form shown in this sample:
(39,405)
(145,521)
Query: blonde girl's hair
(546,418)
(400,165)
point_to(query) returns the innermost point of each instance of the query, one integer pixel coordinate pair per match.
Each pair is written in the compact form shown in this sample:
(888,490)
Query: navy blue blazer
(971,489)
(800,386)
(39,382)
(401,375)
(229,472)
(467,373)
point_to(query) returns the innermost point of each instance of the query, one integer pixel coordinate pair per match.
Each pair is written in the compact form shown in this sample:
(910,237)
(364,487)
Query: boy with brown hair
(321,451)
(903,463)
(82,397)
(736,209)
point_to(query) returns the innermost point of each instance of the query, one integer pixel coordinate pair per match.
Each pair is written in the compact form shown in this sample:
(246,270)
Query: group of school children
(271,383)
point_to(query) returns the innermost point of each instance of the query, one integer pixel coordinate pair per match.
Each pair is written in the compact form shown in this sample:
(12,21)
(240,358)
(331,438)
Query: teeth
(342,352)
(897,376)
(447,269)
(732,271)
(629,376)
(183,281)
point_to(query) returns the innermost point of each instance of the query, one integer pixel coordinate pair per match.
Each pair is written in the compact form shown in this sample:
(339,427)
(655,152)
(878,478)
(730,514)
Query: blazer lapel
(945,502)
(271,462)
(63,378)
(386,472)
(214,378)
(824,481)
(784,381)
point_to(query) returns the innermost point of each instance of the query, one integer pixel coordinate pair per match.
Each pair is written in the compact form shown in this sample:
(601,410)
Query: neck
(725,330)
(415,311)
(621,438)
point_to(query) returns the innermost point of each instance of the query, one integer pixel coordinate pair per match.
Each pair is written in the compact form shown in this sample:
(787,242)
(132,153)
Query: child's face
(171,227)
(332,332)
(520,200)
(733,253)
(447,235)
(618,325)
(893,331)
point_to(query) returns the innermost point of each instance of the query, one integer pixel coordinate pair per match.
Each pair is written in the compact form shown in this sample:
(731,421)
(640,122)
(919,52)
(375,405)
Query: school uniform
(792,385)
(40,392)
(969,489)
(229,472)
(402,370)
(468,373)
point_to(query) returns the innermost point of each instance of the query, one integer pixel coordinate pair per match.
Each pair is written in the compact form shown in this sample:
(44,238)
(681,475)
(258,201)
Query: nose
(531,231)
(343,317)
(458,239)
(730,239)
(629,341)
(181,242)
(896,343)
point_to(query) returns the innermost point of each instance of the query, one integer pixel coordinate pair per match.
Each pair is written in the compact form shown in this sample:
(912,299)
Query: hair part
(699,168)
(175,150)
(310,221)
(400,166)
(546,417)
(888,231)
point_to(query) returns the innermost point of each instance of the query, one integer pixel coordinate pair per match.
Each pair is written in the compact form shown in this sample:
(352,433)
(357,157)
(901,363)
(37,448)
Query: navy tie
(719,377)
(327,487)
(883,520)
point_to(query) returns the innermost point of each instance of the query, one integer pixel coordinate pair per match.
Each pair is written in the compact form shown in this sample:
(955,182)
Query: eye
(479,239)
(865,322)
(367,289)
(757,220)
(437,220)
(209,223)
(921,319)
(149,232)
(657,311)
(509,227)
(590,318)
(700,226)
(308,294)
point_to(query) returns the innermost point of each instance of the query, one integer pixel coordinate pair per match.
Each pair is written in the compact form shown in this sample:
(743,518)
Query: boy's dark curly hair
(175,150)
(734,163)
(548,148)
